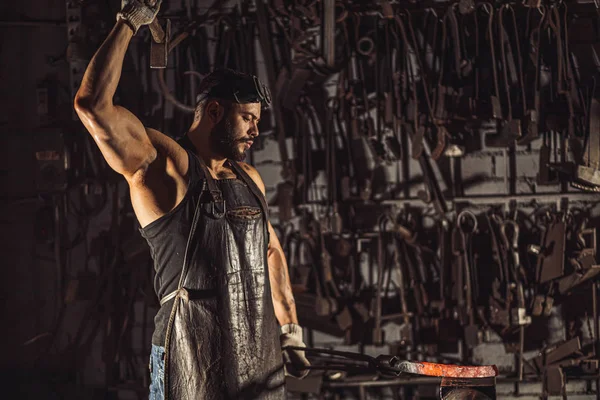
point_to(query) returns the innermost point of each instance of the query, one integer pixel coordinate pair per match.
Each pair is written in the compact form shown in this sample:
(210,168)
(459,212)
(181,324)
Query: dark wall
(35,114)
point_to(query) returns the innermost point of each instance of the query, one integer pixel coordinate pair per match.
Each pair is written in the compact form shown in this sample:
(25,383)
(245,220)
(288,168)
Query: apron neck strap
(252,186)
(186,143)
(210,181)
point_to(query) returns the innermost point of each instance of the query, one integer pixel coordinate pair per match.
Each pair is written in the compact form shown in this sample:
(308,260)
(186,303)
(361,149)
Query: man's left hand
(295,362)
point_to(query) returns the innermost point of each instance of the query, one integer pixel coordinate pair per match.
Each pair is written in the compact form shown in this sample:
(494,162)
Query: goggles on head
(240,90)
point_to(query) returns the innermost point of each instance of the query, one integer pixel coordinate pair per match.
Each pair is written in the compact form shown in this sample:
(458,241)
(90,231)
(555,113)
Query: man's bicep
(120,136)
(273,239)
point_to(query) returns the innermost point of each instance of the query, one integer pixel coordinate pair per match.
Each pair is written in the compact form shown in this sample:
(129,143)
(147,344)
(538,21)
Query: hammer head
(159,47)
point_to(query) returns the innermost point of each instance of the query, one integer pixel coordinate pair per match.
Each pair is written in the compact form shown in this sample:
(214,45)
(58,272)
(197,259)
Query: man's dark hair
(231,86)
(219,76)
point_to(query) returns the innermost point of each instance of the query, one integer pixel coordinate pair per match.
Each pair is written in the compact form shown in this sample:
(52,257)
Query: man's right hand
(138,12)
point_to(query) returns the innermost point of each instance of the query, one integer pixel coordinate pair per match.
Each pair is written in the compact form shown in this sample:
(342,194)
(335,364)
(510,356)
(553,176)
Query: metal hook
(485,8)
(463,222)
(542,10)
(332,103)
(514,243)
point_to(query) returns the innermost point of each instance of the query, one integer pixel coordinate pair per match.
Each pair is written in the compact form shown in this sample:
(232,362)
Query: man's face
(236,131)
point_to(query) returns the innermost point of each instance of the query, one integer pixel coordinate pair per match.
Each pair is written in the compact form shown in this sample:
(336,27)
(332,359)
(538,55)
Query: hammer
(159,47)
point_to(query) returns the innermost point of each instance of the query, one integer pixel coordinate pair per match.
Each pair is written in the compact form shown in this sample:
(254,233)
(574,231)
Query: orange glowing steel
(456,371)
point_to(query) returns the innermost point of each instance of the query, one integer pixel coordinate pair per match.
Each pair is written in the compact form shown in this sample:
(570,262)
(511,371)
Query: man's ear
(215,111)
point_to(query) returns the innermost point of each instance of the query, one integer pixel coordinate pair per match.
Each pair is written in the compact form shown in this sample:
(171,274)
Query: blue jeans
(157,373)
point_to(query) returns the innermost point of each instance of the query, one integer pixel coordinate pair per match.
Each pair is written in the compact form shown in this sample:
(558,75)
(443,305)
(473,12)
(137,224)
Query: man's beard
(224,142)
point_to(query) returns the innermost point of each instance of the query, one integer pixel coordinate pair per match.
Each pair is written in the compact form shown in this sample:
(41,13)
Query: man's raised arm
(119,134)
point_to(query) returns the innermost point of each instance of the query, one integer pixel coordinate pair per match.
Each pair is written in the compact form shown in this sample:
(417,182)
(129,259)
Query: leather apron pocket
(244,214)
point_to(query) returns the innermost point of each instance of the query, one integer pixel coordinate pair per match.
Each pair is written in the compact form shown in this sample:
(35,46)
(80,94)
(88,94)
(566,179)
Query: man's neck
(204,151)
(215,164)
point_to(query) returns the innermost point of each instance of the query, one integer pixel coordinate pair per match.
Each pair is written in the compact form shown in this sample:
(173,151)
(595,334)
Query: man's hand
(295,362)
(138,12)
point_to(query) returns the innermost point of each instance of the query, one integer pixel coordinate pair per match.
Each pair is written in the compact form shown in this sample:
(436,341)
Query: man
(221,273)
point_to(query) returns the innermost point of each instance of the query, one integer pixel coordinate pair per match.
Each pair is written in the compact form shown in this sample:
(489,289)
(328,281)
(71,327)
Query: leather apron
(222,338)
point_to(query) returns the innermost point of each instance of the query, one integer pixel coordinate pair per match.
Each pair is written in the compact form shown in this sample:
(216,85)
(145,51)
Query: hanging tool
(588,172)
(467,223)
(510,235)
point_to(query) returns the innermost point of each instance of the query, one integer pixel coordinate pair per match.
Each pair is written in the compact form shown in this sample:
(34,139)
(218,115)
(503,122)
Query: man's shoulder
(247,167)
(253,174)
(165,143)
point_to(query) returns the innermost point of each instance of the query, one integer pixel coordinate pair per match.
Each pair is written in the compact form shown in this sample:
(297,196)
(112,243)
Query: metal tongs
(392,366)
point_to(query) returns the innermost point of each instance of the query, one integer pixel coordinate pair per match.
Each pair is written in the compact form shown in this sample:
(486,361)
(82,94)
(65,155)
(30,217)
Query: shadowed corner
(259,388)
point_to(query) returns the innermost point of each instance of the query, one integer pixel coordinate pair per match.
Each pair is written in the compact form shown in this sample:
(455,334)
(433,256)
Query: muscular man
(221,273)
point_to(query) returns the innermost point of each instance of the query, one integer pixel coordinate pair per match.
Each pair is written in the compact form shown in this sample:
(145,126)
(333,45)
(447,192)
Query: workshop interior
(432,171)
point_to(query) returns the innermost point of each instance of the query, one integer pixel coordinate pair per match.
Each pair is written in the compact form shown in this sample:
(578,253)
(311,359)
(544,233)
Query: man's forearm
(281,288)
(104,71)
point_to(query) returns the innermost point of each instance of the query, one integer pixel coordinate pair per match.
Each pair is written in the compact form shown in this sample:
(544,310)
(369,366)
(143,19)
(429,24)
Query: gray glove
(138,12)
(295,362)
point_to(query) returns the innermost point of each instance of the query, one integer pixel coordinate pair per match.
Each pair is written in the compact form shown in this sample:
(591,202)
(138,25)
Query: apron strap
(252,186)
(210,181)
(256,192)
(216,194)
(169,296)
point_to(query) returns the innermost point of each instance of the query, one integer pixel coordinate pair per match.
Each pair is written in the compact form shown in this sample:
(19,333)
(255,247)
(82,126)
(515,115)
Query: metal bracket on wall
(484,201)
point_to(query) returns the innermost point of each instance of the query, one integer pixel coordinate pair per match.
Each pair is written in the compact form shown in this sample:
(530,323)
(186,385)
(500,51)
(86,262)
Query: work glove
(295,362)
(138,12)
